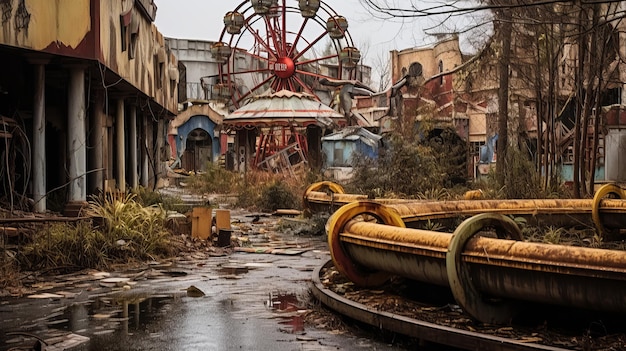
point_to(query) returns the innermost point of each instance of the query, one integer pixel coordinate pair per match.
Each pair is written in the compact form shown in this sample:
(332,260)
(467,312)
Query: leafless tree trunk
(580,93)
(503,95)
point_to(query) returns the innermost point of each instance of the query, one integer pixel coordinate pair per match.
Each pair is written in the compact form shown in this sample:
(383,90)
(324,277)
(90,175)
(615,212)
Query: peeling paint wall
(151,69)
(38,25)
(117,33)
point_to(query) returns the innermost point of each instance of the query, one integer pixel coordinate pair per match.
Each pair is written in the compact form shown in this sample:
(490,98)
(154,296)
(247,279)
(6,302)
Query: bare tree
(576,53)
(382,67)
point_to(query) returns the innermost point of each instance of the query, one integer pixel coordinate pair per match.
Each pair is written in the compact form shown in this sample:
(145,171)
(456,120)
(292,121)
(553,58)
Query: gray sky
(203,19)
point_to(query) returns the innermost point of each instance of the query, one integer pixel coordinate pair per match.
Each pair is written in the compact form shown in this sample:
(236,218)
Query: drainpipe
(39,136)
(121,152)
(77,158)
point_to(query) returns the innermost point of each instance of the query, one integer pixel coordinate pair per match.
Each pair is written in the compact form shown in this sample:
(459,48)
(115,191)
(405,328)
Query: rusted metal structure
(272,56)
(287,38)
(419,329)
(490,276)
(90,84)
(274,132)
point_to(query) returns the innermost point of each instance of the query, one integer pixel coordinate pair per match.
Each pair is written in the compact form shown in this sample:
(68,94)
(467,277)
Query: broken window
(134,36)
(159,67)
(129,31)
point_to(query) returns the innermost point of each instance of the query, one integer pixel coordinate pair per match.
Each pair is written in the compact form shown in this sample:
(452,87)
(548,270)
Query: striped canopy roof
(284,108)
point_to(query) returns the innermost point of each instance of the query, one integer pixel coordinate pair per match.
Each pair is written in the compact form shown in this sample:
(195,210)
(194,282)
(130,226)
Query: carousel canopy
(284,108)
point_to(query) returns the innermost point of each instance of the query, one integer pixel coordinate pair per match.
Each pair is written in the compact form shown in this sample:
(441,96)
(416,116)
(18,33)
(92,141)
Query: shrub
(122,230)
(276,195)
(521,181)
(216,180)
(409,168)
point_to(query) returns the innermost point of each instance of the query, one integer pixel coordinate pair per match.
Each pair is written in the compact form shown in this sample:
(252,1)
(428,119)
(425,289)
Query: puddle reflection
(287,303)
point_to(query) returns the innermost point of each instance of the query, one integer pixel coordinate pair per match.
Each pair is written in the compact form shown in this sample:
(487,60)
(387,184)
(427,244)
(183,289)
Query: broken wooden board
(272,250)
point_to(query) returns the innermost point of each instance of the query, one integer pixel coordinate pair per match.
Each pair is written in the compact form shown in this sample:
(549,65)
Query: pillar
(159,142)
(144,153)
(622,70)
(132,141)
(39,138)
(97,143)
(77,153)
(121,151)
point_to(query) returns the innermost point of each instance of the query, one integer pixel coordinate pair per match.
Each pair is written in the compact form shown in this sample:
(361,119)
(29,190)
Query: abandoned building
(437,82)
(86,89)
(90,98)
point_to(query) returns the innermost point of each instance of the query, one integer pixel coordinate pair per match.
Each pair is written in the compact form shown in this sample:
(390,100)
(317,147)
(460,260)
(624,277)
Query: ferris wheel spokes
(278,58)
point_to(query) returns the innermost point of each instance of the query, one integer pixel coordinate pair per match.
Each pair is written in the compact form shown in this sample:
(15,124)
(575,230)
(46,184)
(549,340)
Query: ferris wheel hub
(284,67)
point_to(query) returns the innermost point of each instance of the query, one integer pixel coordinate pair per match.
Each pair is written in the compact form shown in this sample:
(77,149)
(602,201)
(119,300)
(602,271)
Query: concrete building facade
(88,84)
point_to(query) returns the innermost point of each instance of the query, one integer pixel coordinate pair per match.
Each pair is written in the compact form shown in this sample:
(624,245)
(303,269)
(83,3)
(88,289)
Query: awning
(284,108)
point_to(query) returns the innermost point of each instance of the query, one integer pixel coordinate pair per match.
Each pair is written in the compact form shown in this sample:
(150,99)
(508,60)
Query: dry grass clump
(9,271)
(122,231)
(255,190)
(215,180)
(268,191)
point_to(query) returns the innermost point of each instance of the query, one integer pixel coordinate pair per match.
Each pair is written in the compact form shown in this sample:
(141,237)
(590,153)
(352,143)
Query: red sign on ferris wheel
(284,67)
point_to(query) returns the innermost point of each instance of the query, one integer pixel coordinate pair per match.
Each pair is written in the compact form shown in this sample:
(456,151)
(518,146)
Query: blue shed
(339,147)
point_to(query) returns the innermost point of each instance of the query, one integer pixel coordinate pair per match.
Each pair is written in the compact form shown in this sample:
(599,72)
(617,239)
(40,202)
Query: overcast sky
(203,19)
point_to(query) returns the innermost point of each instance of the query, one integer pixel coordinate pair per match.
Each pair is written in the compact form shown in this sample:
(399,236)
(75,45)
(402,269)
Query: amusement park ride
(281,51)
(282,59)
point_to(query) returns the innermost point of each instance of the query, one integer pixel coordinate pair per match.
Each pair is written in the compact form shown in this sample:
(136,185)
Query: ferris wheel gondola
(273,45)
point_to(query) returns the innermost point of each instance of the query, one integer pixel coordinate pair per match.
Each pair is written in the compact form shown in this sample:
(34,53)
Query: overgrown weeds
(9,270)
(122,231)
(521,181)
(411,168)
(216,180)
(255,190)
(147,197)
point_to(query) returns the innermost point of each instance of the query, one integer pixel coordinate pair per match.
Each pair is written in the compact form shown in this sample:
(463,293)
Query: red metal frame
(280,45)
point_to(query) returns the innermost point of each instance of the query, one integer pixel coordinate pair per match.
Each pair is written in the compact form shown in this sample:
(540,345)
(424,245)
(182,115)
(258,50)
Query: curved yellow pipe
(335,225)
(607,189)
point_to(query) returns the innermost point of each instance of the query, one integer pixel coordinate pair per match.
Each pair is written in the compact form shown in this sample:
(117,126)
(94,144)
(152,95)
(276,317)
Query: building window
(441,71)
(159,67)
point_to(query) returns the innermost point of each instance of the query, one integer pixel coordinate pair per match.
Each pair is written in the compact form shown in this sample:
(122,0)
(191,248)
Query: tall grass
(216,180)
(122,231)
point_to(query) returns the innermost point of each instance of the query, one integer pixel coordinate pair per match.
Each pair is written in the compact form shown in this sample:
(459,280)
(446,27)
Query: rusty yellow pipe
(606,214)
(475,267)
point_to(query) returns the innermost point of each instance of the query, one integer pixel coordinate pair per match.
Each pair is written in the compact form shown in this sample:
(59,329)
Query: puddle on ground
(98,317)
(286,304)
(117,320)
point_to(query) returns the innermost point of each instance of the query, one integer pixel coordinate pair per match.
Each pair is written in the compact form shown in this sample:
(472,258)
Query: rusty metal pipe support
(486,275)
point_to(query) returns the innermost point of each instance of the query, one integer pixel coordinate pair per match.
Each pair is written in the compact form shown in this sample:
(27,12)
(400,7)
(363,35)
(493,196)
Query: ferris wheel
(272,45)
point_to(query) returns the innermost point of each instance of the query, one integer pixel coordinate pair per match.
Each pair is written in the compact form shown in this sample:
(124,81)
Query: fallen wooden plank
(9,231)
(287,212)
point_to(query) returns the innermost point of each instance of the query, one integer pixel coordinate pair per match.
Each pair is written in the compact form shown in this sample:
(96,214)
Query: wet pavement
(254,300)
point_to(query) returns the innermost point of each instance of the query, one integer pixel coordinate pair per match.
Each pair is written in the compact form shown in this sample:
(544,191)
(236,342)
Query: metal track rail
(414,328)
